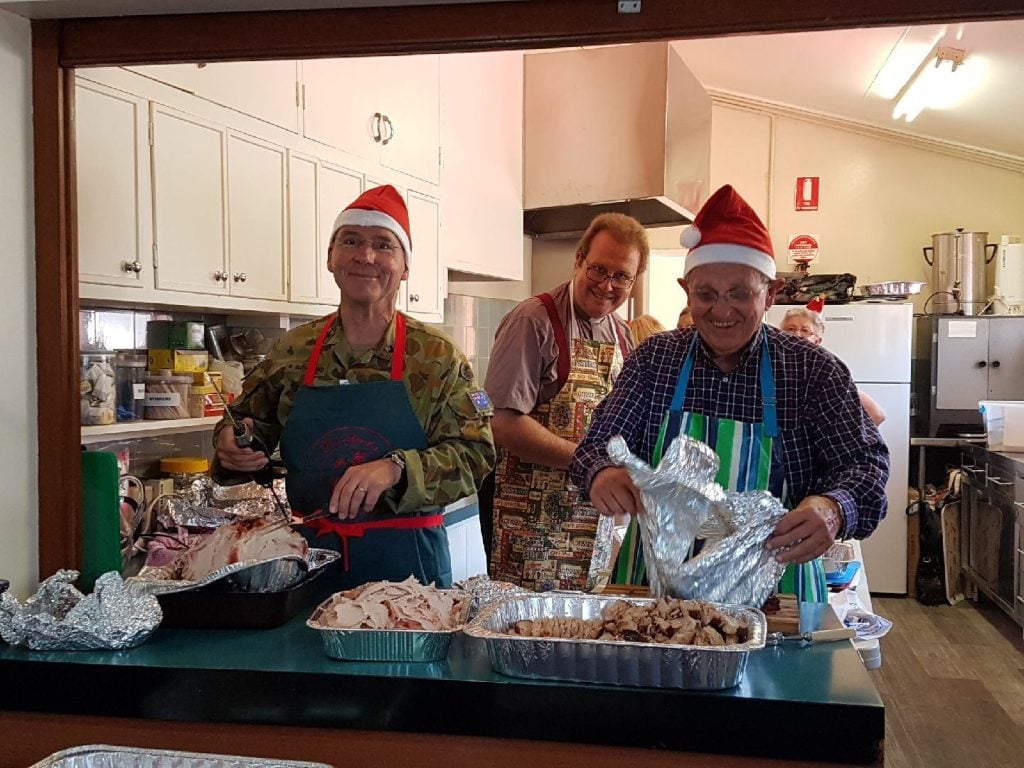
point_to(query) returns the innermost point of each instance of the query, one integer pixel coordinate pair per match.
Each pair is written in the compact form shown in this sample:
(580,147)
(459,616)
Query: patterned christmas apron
(544,536)
(331,428)
(747,463)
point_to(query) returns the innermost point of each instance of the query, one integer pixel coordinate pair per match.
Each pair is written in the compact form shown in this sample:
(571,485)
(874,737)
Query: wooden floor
(952,679)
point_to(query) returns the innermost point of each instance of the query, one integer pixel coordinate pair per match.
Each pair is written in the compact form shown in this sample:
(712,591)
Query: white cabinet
(336,188)
(257,230)
(466,546)
(264,89)
(385,110)
(482,163)
(114,208)
(425,274)
(189,211)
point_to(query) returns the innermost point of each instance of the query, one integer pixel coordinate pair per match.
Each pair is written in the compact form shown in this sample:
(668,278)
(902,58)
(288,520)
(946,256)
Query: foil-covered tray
(646,665)
(103,756)
(274,575)
(407,645)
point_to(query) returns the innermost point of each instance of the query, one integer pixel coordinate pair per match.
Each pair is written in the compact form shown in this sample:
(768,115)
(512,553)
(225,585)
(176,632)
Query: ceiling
(832,72)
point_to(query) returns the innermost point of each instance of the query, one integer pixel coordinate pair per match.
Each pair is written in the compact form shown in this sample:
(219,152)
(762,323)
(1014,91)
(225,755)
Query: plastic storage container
(185,471)
(1004,424)
(130,374)
(167,395)
(98,388)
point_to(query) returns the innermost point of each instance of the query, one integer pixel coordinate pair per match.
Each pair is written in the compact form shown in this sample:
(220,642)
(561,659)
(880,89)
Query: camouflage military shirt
(453,411)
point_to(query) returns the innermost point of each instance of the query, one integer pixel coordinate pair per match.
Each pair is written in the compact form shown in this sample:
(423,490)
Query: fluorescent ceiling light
(929,83)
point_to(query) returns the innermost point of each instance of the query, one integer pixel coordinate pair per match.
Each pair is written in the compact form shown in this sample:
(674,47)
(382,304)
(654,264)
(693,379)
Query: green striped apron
(747,463)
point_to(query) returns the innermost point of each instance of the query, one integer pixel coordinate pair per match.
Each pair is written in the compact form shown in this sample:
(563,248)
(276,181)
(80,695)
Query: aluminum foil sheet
(275,575)
(403,645)
(682,502)
(485,592)
(103,756)
(645,665)
(60,618)
(174,511)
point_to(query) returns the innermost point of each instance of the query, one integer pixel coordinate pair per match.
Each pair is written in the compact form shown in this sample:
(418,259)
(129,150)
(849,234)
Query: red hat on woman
(379,207)
(727,231)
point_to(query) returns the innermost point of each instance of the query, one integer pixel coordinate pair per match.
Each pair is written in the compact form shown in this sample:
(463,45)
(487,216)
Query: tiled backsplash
(471,322)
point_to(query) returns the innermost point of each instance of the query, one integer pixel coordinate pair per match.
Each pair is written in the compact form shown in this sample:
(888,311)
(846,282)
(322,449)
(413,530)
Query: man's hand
(612,493)
(230,456)
(361,486)
(807,531)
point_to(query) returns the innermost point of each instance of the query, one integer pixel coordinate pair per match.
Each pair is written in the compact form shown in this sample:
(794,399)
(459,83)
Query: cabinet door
(1005,361)
(962,363)
(482,137)
(256,218)
(424,268)
(263,89)
(189,190)
(304,254)
(337,188)
(340,97)
(410,104)
(114,209)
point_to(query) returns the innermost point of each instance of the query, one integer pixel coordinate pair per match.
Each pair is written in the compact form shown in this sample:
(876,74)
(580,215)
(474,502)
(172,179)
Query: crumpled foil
(210,506)
(683,502)
(60,618)
(485,592)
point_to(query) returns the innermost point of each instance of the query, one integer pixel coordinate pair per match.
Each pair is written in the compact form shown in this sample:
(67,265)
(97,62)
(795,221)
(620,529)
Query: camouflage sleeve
(456,415)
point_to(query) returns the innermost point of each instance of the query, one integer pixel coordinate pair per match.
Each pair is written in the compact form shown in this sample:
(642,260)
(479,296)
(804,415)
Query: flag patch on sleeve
(481,402)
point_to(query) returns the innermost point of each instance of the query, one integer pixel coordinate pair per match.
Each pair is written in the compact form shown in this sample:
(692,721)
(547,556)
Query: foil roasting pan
(645,665)
(408,645)
(103,756)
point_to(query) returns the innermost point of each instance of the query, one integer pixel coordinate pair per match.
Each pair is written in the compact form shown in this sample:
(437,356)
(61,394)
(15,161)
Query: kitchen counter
(278,689)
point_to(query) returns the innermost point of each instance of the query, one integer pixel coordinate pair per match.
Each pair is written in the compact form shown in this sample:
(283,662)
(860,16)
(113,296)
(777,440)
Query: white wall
(18,449)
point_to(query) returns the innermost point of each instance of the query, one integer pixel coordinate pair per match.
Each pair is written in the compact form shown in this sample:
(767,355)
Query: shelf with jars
(133,429)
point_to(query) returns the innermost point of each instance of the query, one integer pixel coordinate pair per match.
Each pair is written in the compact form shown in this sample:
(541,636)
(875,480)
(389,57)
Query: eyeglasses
(381,246)
(598,275)
(734,297)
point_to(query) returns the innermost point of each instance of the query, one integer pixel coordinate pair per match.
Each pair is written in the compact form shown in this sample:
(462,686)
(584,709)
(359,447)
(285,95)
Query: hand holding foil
(682,502)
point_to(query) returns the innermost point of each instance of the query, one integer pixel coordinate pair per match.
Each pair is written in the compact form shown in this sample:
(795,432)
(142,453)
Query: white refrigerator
(874,339)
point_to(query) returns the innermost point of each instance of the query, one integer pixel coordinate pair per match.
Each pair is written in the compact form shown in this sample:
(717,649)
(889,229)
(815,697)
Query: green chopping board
(101,517)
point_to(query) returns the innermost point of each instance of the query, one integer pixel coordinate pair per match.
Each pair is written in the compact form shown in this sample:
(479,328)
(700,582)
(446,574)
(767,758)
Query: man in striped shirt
(828,462)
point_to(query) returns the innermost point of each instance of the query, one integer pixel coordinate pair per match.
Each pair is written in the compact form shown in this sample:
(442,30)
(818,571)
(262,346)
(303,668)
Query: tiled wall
(471,321)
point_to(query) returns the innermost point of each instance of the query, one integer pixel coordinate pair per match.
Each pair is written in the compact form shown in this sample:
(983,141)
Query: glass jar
(167,395)
(130,373)
(98,388)
(186,471)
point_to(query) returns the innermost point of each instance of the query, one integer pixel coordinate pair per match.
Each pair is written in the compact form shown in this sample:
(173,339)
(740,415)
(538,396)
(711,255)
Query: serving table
(274,693)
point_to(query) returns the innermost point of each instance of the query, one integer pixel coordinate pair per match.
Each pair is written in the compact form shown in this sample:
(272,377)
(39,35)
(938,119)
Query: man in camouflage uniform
(379,418)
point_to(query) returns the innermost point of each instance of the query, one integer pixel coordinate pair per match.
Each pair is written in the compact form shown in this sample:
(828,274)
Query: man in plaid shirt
(829,463)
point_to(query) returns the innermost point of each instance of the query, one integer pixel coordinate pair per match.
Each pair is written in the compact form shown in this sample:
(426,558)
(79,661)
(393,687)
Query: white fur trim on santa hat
(730,253)
(690,237)
(361,217)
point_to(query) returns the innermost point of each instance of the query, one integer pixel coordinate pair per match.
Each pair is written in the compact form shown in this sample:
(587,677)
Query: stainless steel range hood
(625,129)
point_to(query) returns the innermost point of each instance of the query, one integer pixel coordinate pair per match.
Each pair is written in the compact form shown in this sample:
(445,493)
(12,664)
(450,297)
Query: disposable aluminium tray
(647,665)
(104,756)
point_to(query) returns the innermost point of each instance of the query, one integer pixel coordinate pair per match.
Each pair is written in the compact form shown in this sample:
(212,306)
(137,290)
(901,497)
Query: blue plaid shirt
(829,445)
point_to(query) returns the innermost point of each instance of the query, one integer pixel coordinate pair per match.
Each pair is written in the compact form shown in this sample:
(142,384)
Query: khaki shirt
(523,369)
(438,378)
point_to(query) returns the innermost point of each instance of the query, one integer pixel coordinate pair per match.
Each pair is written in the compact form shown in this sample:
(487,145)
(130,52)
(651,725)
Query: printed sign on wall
(803,249)
(807,193)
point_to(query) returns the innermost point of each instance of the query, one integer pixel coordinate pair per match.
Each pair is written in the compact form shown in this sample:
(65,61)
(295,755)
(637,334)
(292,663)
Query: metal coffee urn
(958,262)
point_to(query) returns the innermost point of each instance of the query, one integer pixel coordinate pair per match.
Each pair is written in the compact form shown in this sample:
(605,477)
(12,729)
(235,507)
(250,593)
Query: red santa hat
(727,231)
(816,304)
(379,207)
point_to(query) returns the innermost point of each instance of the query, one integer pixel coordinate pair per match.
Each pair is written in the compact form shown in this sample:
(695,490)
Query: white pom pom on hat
(727,231)
(690,237)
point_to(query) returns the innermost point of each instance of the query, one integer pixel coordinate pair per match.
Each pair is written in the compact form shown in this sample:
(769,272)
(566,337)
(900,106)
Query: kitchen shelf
(133,429)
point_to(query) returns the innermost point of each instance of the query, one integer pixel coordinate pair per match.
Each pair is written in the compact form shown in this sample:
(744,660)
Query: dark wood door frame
(58,46)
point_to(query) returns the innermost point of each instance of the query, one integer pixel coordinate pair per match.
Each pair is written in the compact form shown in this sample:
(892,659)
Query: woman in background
(643,327)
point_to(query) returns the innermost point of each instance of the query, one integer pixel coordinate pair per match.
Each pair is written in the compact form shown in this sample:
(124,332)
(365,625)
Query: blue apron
(747,462)
(331,428)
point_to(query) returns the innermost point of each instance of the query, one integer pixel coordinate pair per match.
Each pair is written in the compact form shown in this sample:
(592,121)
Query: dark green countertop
(810,702)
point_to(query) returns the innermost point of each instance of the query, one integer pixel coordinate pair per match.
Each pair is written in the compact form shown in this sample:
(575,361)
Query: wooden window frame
(59,46)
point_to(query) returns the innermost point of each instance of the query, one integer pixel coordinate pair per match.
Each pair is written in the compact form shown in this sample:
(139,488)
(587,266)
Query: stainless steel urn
(958,262)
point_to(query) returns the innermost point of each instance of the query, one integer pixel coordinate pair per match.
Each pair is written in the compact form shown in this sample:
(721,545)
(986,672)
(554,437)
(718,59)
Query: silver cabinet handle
(131,267)
(997,481)
(239,277)
(414,297)
(375,131)
(220,275)
(391,130)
